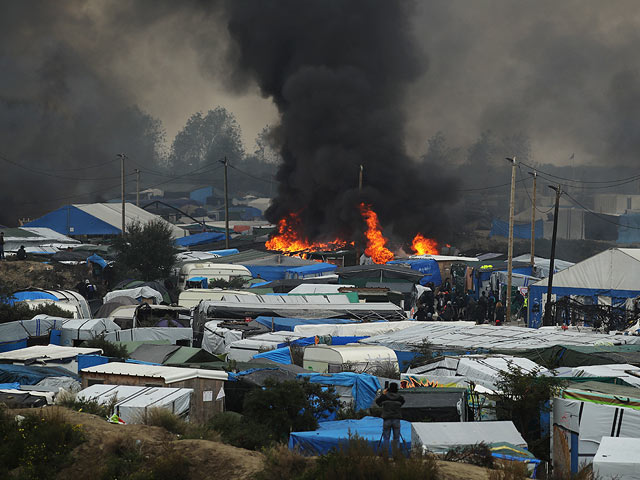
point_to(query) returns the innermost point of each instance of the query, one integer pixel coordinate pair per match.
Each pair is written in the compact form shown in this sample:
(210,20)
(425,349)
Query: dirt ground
(207,459)
(16,275)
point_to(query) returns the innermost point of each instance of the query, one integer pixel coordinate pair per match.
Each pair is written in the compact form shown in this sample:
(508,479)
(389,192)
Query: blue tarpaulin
(500,228)
(268,272)
(29,375)
(330,435)
(363,386)
(427,266)
(30,295)
(10,386)
(288,324)
(314,270)
(70,220)
(280,355)
(303,342)
(86,361)
(97,259)
(225,252)
(629,229)
(203,281)
(199,239)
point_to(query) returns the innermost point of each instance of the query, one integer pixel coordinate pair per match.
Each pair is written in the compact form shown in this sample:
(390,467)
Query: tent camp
(15,335)
(75,331)
(356,389)
(617,458)
(244,350)
(134,402)
(610,277)
(103,219)
(366,329)
(331,435)
(277,324)
(359,358)
(178,336)
(438,437)
(138,293)
(65,299)
(108,307)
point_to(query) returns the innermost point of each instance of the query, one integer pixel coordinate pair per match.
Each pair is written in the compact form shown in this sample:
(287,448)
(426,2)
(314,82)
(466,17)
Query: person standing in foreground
(391,402)
(1,245)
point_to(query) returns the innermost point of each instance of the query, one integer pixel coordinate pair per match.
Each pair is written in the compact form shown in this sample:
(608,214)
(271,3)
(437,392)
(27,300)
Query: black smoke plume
(338,71)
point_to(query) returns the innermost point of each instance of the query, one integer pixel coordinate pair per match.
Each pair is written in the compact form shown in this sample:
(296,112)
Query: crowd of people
(445,304)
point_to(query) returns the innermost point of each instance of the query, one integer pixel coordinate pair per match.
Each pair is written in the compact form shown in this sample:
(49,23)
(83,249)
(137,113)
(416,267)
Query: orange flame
(288,238)
(424,246)
(376,248)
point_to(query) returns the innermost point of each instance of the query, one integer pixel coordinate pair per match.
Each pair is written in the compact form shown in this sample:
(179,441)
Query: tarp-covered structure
(428,267)
(610,277)
(134,402)
(356,389)
(361,275)
(97,219)
(137,293)
(277,324)
(439,437)
(15,335)
(617,458)
(74,331)
(583,355)
(152,333)
(434,404)
(333,435)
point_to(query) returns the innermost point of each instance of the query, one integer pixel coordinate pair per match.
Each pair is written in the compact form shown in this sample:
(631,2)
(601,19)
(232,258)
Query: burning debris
(376,243)
(290,239)
(424,246)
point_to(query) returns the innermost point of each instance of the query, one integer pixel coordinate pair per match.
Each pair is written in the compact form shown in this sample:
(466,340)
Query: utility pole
(359,197)
(226,204)
(510,255)
(137,170)
(122,157)
(534,174)
(547,307)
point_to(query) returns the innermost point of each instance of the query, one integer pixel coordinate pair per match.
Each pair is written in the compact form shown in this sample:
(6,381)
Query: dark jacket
(391,404)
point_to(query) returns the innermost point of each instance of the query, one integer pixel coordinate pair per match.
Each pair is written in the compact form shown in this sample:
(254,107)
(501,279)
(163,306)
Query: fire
(424,246)
(376,248)
(288,238)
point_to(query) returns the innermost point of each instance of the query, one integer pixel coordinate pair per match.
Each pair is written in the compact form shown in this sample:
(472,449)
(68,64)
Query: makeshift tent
(216,339)
(14,335)
(138,293)
(617,458)
(75,330)
(243,350)
(542,265)
(97,259)
(357,389)
(360,275)
(366,329)
(500,228)
(612,276)
(629,373)
(584,355)
(434,404)
(316,288)
(357,357)
(480,369)
(199,239)
(428,267)
(133,402)
(97,219)
(309,271)
(174,335)
(277,324)
(332,435)
(15,398)
(603,393)
(108,307)
(31,374)
(50,355)
(279,355)
(439,437)
(159,287)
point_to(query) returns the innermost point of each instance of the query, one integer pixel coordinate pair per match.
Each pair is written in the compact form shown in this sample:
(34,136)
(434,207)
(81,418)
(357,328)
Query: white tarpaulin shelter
(472,337)
(617,458)
(366,329)
(333,358)
(628,373)
(480,369)
(612,276)
(244,350)
(136,293)
(316,288)
(48,355)
(542,265)
(438,437)
(217,339)
(133,402)
(151,333)
(85,329)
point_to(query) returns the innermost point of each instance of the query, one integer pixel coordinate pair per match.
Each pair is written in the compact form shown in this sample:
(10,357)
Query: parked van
(352,357)
(191,297)
(211,272)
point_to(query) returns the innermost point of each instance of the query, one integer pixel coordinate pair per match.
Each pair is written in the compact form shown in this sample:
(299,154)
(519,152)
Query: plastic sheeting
(199,239)
(364,387)
(289,324)
(617,458)
(500,228)
(151,333)
(626,372)
(279,355)
(330,435)
(480,369)
(438,437)
(137,293)
(133,402)
(31,375)
(85,329)
(218,339)
(427,266)
(366,329)
(244,350)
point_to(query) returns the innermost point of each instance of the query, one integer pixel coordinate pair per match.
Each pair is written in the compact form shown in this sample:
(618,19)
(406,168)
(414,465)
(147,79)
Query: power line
(487,188)
(597,214)
(50,174)
(250,175)
(632,178)
(531,199)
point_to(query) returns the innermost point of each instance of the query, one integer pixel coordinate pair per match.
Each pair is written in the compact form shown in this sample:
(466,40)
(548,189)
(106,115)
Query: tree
(146,251)
(205,139)
(289,406)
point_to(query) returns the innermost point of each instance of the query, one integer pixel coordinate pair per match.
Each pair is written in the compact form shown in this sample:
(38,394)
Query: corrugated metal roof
(169,374)
(46,352)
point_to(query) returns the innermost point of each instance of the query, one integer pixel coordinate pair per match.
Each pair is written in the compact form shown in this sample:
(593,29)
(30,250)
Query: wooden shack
(207,385)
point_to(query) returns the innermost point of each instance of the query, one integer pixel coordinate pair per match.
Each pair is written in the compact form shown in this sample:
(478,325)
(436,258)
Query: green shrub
(282,463)
(123,458)
(478,454)
(38,445)
(109,349)
(87,406)
(22,311)
(241,432)
(161,417)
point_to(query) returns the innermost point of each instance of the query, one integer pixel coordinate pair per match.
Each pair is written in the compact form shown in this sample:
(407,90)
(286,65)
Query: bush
(109,349)
(282,463)
(161,417)
(241,432)
(87,406)
(38,445)
(509,471)
(22,311)
(478,454)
